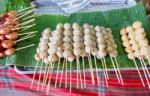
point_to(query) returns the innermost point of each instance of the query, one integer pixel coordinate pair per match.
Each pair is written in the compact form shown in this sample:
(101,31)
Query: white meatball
(123,31)
(60,53)
(129,49)
(77,52)
(98,28)
(129,29)
(46,61)
(43,48)
(88,49)
(114,53)
(77,45)
(144,50)
(67,39)
(67,53)
(75,26)
(37,57)
(71,58)
(144,42)
(86,25)
(137,24)
(126,44)
(43,55)
(47,31)
(77,39)
(109,30)
(101,54)
(67,26)
(59,26)
(135,47)
(131,56)
(77,32)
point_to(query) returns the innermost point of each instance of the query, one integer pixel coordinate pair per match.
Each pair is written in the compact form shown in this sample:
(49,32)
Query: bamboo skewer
(83,63)
(61,74)
(105,66)
(139,72)
(45,71)
(34,75)
(57,74)
(70,76)
(145,74)
(145,67)
(66,78)
(40,76)
(97,75)
(80,74)
(77,73)
(104,71)
(115,69)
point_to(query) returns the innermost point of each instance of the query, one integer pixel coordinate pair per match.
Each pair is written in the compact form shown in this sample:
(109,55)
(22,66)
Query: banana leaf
(114,19)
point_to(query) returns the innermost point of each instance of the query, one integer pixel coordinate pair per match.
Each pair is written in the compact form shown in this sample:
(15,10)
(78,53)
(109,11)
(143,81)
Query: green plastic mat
(115,19)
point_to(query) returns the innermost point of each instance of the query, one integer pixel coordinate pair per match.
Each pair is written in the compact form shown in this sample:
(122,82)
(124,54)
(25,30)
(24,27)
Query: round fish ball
(58,32)
(59,26)
(43,55)
(114,46)
(94,52)
(47,31)
(38,50)
(123,31)
(67,26)
(138,54)
(101,46)
(89,43)
(99,35)
(109,30)
(129,29)
(52,50)
(128,49)
(101,54)
(75,26)
(10,51)
(126,44)
(78,44)
(77,52)
(67,53)
(84,54)
(143,42)
(100,40)
(87,31)
(67,45)
(55,58)
(37,57)
(98,28)
(109,49)
(114,53)
(125,38)
(67,39)
(88,49)
(46,35)
(139,30)
(103,28)
(131,56)
(71,58)
(77,32)
(59,53)
(135,47)
(132,41)
(131,35)
(43,48)
(140,37)
(46,61)
(77,39)
(45,40)
(145,50)
(88,36)
(137,24)
(68,33)
(85,25)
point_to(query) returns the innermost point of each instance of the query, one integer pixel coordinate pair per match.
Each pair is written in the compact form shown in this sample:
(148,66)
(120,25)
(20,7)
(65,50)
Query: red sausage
(2,54)
(2,37)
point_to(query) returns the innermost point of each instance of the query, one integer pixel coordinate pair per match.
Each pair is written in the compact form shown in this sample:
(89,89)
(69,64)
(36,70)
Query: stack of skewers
(136,45)
(72,43)
(11,23)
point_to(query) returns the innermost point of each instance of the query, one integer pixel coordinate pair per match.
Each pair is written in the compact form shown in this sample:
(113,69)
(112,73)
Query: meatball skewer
(129,50)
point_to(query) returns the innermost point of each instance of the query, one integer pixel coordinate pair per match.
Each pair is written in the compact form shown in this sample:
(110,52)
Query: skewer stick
(62,73)
(145,74)
(34,74)
(32,16)
(105,66)
(25,47)
(25,14)
(91,70)
(23,27)
(146,68)
(104,71)
(119,70)
(25,38)
(26,22)
(40,75)
(80,74)
(115,69)
(43,83)
(83,63)
(27,33)
(48,71)
(77,74)
(96,70)
(57,73)
(70,76)
(49,82)
(26,9)
(139,72)
(66,78)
